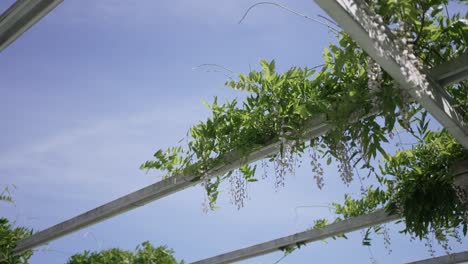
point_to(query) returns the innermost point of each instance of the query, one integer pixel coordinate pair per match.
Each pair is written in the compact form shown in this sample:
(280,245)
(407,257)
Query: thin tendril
(213,65)
(279,260)
(291,11)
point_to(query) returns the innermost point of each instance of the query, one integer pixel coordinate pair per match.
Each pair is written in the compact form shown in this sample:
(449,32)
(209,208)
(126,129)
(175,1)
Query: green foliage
(146,253)
(351,91)
(321,223)
(9,235)
(372,199)
(5,195)
(418,184)
(279,107)
(290,248)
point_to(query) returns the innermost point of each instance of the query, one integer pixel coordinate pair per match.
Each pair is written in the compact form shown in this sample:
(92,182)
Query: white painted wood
(356,18)
(21,16)
(451,72)
(461,257)
(345,226)
(315,127)
(459,170)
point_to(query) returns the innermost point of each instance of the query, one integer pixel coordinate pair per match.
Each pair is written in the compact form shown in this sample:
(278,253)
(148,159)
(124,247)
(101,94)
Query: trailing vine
(351,91)
(418,184)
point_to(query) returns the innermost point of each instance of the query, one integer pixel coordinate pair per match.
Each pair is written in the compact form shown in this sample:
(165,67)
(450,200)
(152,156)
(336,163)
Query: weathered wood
(461,257)
(345,226)
(21,16)
(376,39)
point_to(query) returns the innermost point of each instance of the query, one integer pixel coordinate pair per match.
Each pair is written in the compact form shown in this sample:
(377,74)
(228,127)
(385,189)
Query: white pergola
(355,17)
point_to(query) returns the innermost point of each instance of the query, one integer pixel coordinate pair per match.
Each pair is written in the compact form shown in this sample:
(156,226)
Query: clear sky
(93,89)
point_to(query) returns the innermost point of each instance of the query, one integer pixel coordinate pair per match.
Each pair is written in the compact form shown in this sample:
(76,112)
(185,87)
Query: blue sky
(93,89)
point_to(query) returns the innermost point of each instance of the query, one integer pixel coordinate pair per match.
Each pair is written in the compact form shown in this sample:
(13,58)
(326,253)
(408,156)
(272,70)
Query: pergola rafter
(455,258)
(342,227)
(459,171)
(315,127)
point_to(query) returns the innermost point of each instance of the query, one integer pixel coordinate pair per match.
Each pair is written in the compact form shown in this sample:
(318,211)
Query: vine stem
(291,11)
(213,65)
(329,20)
(279,260)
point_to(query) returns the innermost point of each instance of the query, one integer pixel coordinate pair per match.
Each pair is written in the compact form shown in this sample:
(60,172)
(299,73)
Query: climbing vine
(418,184)
(350,90)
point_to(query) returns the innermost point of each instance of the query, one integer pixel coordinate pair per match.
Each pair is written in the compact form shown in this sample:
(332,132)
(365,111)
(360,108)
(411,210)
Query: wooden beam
(461,257)
(345,226)
(375,38)
(20,16)
(451,72)
(316,127)
(459,170)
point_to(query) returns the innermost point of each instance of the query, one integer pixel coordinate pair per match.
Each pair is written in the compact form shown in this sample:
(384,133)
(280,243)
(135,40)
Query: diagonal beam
(375,38)
(345,226)
(315,127)
(452,71)
(20,16)
(459,171)
(454,258)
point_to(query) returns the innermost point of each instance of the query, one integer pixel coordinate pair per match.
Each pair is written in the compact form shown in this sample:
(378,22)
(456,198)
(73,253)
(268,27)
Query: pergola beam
(451,72)
(459,171)
(315,127)
(342,227)
(461,257)
(375,38)
(20,16)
